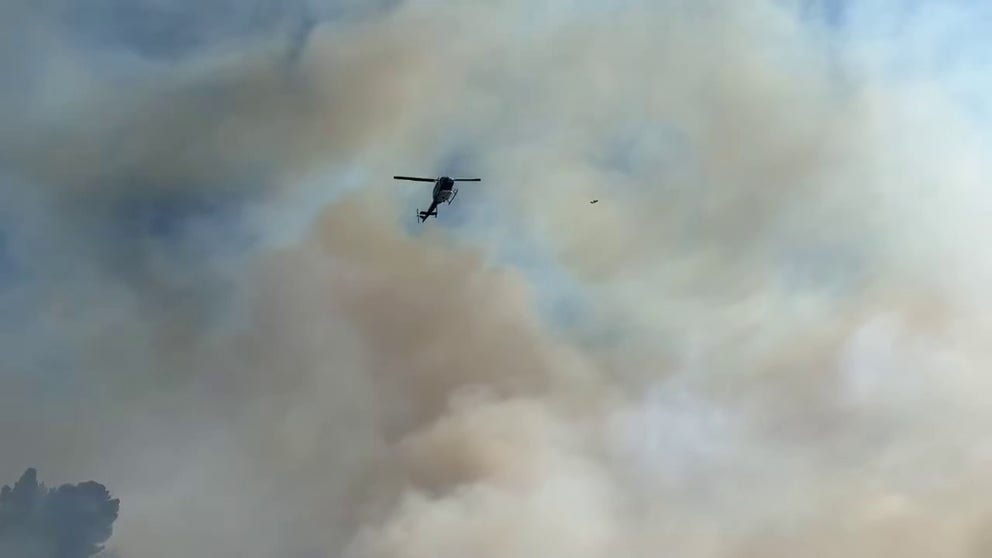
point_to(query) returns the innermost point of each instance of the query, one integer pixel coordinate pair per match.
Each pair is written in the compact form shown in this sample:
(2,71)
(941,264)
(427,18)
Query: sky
(225,330)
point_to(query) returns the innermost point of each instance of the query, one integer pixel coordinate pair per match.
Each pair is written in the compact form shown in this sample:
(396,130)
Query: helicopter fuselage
(444,189)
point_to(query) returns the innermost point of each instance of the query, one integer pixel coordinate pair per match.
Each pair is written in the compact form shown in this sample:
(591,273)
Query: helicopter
(444,192)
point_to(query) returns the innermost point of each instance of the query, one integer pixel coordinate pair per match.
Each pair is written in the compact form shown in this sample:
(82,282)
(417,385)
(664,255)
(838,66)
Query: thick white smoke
(777,346)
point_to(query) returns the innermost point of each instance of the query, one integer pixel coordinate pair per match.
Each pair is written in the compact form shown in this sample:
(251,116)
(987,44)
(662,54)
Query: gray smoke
(775,327)
(70,521)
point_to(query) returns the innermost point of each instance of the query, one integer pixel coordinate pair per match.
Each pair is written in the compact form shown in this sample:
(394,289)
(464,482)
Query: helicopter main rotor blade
(467,179)
(415,178)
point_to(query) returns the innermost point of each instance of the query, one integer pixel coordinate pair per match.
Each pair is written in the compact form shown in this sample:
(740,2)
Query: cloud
(776,342)
(71,521)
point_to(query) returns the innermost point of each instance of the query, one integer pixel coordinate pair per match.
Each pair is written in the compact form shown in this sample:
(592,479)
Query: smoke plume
(768,338)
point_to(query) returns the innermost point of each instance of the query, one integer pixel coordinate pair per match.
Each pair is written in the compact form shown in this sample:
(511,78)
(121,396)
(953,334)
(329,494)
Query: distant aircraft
(444,191)
(594,201)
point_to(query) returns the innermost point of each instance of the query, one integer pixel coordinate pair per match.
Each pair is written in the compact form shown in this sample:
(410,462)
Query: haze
(769,338)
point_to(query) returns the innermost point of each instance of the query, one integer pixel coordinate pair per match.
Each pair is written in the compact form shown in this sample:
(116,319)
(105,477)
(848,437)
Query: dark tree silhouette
(71,521)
